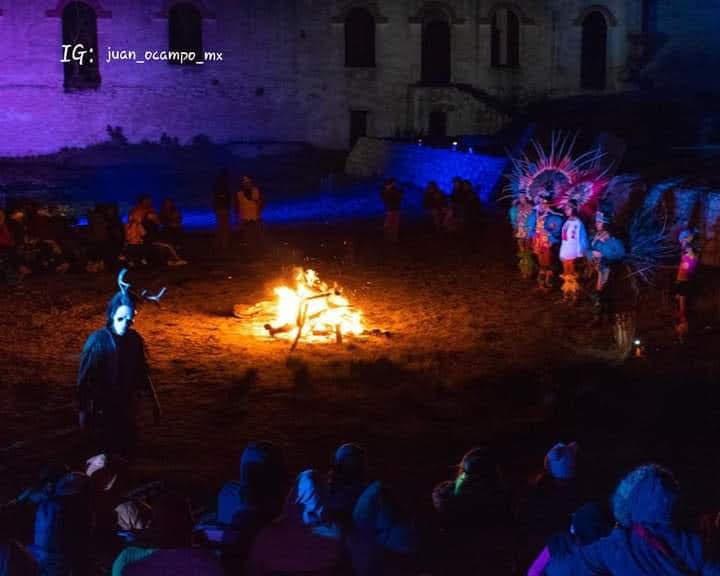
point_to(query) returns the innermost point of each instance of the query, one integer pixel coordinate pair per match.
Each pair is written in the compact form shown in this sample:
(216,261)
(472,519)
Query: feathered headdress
(552,171)
(584,192)
(650,241)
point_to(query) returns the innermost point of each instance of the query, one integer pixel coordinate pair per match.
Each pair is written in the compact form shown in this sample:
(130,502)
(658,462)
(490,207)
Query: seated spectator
(171,221)
(62,521)
(167,545)
(157,246)
(474,517)
(7,256)
(6,240)
(380,541)
(247,505)
(42,233)
(646,540)
(302,540)
(550,500)
(15,560)
(346,482)
(111,508)
(21,253)
(260,490)
(589,523)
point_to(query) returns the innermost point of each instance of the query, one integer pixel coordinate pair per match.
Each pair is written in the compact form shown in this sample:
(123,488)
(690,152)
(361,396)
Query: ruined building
(325,71)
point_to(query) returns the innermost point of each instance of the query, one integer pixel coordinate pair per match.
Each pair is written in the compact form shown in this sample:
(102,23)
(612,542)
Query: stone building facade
(318,71)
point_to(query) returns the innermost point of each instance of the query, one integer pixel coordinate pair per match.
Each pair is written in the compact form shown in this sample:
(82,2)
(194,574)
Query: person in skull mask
(113,374)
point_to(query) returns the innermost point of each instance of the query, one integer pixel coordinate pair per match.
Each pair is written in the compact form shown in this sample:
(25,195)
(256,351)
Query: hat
(350,462)
(560,460)
(601,217)
(478,462)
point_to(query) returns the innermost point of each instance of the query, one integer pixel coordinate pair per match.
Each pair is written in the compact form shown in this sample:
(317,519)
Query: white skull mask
(122,320)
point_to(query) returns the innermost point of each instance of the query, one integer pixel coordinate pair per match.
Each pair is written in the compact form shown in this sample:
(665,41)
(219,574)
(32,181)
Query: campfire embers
(311,310)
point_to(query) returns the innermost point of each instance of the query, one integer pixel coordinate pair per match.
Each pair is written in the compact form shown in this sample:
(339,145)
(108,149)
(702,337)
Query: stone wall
(417,165)
(283,75)
(685,45)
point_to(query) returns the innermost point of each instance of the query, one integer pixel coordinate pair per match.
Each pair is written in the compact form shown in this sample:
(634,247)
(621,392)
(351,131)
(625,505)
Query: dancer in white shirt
(573,246)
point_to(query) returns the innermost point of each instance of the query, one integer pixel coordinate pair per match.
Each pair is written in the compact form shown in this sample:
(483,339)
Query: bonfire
(311,310)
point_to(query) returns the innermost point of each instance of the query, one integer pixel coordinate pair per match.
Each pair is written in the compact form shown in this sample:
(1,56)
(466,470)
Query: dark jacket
(646,542)
(392,198)
(380,541)
(62,526)
(247,505)
(109,385)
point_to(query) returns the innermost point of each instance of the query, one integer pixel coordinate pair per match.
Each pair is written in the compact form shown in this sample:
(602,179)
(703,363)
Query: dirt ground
(472,355)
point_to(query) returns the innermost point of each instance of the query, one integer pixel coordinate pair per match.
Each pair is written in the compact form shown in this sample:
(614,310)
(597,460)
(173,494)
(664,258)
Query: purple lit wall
(260,91)
(283,74)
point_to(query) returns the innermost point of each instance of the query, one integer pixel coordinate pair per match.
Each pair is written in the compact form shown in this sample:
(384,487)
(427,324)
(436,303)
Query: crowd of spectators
(37,239)
(267,522)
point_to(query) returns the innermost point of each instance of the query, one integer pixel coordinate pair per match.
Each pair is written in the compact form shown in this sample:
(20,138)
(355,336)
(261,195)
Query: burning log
(279,330)
(312,310)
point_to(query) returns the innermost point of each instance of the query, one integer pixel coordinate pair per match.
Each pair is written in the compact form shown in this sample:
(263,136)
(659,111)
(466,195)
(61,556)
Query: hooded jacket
(646,542)
(380,541)
(302,540)
(258,495)
(101,390)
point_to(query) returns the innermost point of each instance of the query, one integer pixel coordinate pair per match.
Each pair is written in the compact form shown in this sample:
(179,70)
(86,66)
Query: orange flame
(322,311)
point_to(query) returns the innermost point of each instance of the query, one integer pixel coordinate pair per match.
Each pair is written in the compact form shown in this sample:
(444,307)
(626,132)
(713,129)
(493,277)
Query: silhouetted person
(392,200)
(113,373)
(222,203)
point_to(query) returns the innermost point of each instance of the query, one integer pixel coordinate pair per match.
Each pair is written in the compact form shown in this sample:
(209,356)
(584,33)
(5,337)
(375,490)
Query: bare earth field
(472,355)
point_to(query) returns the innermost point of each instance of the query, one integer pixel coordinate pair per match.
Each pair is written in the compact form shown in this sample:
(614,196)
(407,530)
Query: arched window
(593,62)
(185,30)
(359,39)
(505,38)
(79,26)
(437,124)
(436,52)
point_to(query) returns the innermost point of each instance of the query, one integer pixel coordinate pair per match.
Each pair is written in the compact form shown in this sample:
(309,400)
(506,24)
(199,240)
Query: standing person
(604,250)
(522,218)
(471,205)
(392,199)
(135,250)
(434,203)
(548,226)
(113,372)
(685,281)
(573,246)
(222,201)
(456,214)
(249,206)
